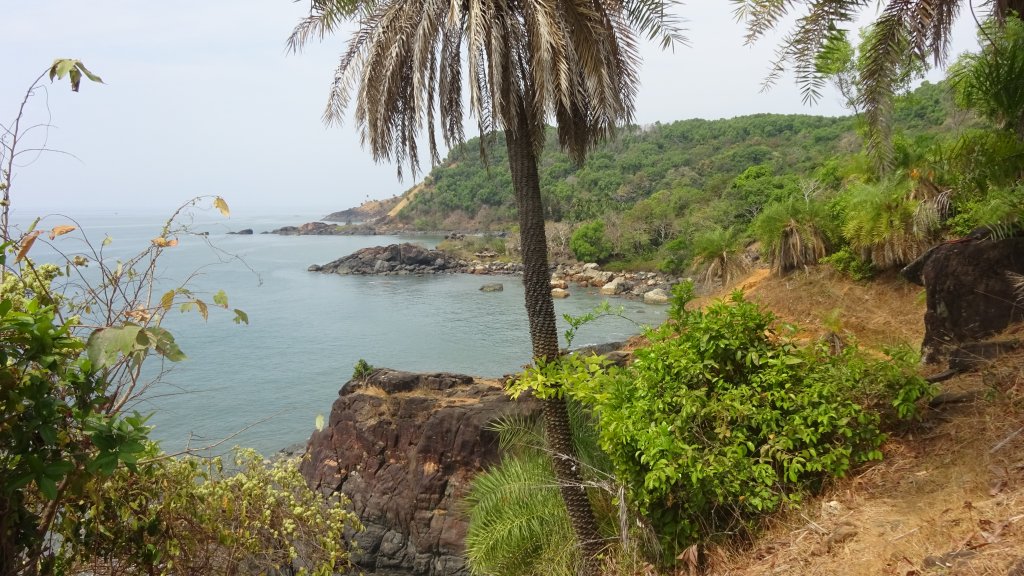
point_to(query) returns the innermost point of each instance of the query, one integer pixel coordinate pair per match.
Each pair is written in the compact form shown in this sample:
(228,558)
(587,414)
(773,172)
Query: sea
(264,384)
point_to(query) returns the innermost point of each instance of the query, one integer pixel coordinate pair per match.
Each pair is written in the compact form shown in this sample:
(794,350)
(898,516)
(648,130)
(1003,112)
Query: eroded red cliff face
(403,447)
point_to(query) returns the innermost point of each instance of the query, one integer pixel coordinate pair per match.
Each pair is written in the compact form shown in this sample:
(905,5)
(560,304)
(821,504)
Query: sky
(200,97)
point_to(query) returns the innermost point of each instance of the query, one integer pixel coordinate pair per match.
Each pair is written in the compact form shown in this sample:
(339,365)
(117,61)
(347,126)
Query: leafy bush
(589,244)
(848,263)
(190,516)
(720,419)
(362,369)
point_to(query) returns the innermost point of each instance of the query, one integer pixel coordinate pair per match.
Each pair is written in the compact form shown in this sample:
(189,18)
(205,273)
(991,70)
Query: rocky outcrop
(309,229)
(972,291)
(393,259)
(369,210)
(398,259)
(403,447)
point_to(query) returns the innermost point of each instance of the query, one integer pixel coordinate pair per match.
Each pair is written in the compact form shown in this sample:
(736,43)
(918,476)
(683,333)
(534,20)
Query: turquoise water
(267,381)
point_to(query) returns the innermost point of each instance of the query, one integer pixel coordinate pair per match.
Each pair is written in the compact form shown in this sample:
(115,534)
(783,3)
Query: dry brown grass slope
(948,497)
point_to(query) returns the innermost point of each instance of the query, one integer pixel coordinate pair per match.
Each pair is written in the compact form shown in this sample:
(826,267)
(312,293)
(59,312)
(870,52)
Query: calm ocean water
(267,381)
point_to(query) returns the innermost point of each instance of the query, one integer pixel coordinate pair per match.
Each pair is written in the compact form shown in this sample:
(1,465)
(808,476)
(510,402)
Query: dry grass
(886,311)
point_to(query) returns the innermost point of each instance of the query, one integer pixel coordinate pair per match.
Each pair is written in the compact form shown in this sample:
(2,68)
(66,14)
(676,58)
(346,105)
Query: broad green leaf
(88,74)
(241,317)
(105,344)
(48,487)
(220,299)
(164,344)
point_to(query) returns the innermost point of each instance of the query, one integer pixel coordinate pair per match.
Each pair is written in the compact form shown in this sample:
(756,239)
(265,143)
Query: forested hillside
(693,157)
(690,195)
(700,158)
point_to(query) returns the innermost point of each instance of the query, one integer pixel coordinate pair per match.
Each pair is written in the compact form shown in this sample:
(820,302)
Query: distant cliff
(365,212)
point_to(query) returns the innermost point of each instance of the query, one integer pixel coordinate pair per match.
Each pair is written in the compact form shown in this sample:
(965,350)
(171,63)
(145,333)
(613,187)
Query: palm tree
(903,29)
(527,61)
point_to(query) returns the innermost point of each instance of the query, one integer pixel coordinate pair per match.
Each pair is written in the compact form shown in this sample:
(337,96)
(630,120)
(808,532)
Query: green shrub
(720,419)
(848,263)
(362,369)
(588,243)
(191,516)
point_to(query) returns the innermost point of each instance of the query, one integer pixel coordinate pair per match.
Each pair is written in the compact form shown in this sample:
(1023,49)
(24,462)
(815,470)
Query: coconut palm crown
(528,62)
(903,29)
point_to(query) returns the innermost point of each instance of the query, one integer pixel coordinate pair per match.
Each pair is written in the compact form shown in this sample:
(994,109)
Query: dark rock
(246,231)
(971,294)
(492,287)
(403,447)
(392,259)
(311,229)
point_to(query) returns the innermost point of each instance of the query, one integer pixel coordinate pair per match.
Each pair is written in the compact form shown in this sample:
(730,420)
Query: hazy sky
(201,98)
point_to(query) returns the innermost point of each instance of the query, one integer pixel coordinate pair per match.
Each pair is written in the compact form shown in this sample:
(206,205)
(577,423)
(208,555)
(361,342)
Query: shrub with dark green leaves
(588,243)
(720,419)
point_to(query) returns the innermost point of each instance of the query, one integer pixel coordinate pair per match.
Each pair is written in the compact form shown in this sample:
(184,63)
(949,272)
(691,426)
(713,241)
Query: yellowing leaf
(161,242)
(167,301)
(26,245)
(107,240)
(221,205)
(319,422)
(60,231)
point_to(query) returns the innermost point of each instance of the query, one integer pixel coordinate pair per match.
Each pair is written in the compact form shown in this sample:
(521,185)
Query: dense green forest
(690,194)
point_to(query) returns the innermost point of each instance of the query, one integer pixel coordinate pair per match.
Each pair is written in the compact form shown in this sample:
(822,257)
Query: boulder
(560,284)
(971,290)
(656,296)
(615,286)
(492,287)
(403,448)
(559,293)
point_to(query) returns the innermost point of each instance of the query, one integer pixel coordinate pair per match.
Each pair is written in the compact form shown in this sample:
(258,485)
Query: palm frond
(518,524)
(718,256)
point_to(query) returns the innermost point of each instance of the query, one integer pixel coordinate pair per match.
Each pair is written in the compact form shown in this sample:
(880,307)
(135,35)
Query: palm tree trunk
(540,310)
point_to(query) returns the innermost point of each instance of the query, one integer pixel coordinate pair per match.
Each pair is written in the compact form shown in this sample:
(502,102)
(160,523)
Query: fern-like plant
(793,234)
(880,223)
(517,526)
(718,255)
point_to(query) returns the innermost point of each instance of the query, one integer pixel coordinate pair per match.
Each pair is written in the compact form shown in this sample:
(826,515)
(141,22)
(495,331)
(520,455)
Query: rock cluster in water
(405,259)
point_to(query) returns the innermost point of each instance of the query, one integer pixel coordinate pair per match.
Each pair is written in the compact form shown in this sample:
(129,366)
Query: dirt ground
(948,498)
